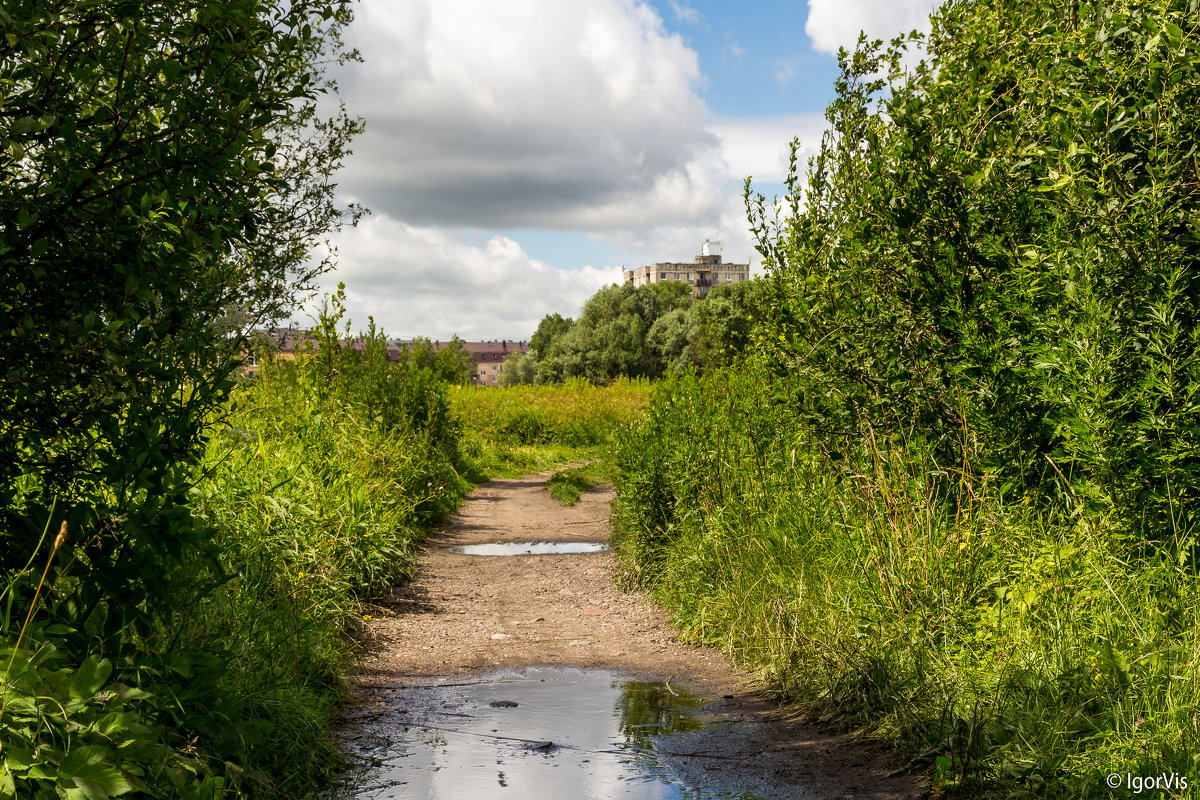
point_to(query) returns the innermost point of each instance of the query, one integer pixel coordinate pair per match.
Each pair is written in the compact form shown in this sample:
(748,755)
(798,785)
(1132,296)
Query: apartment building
(705,273)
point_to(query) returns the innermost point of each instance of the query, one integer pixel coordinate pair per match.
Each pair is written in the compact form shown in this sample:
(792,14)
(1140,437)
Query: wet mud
(487,677)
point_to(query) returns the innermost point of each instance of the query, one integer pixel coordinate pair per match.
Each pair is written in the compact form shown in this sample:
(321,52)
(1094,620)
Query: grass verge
(1006,650)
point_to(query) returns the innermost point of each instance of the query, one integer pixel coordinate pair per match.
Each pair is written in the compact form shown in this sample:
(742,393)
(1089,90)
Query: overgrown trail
(470,615)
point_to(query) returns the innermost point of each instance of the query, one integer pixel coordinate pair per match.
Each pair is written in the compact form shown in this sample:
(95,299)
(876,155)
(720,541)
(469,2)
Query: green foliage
(638,331)
(950,495)
(320,491)
(721,326)
(549,330)
(165,173)
(144,196)
(989,643)
(519,369)
(316,492)
(999,254)
(608,341)
(450,362)
(671,335)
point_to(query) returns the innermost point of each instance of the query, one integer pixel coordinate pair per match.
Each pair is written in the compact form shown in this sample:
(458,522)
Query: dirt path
(467,615)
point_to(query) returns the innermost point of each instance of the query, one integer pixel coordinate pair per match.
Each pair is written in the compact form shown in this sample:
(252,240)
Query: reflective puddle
(527,548)
(545,733)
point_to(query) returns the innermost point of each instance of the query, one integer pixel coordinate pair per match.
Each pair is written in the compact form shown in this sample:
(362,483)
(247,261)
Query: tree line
(638,332)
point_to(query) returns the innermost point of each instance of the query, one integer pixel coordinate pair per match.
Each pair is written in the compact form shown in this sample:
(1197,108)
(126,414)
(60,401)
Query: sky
(518,154)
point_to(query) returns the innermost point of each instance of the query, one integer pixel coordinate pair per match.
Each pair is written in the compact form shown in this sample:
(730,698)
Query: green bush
(165,172)
(321,479)
(988,641)
(997,250)
(319,495)
(950,496)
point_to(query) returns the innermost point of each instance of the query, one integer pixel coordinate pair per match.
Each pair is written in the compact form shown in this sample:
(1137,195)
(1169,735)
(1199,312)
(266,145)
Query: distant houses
(487,358)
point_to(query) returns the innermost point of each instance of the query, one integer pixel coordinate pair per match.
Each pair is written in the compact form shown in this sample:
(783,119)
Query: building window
(690,276)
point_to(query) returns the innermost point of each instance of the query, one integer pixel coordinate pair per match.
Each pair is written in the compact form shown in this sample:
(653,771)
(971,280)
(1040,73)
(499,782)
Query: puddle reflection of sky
(597,722)
(527,548)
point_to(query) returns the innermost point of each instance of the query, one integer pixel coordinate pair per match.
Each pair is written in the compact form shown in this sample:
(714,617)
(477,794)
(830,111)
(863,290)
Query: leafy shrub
(149,207)
(994,250)
(989,641)
(313,498)
(951,495)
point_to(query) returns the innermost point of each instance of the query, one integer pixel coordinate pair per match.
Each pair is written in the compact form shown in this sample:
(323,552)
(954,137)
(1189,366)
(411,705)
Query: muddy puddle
(555,733)
(527,548)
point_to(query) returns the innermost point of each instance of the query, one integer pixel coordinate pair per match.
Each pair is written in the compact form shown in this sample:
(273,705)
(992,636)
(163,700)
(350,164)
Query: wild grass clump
(993,643)
(319,487)
(316,508)
(521,429)
(568,485)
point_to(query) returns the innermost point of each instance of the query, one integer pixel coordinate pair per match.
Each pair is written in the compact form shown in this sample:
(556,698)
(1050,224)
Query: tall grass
(314,491)
(318,504)
(995,645)
(516,430)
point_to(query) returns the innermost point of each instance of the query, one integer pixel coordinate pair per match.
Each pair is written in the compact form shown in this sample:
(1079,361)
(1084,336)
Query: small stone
(503,704)
(500,636)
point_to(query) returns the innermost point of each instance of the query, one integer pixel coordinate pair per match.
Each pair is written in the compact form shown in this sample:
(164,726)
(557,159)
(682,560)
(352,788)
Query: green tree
(722,325)
(671,295)
(162,163)
(998,250)
(449,362)
(608,341)
(519,369)
(670,337)
(551,328)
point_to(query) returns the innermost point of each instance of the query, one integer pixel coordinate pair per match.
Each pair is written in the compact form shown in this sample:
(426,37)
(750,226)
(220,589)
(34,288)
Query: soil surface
(464,616)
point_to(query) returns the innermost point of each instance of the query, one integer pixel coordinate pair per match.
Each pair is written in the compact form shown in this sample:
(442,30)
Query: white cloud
(685,13)
(784,73)
(760,146)
(531,113)
(423,281)
(836,23)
